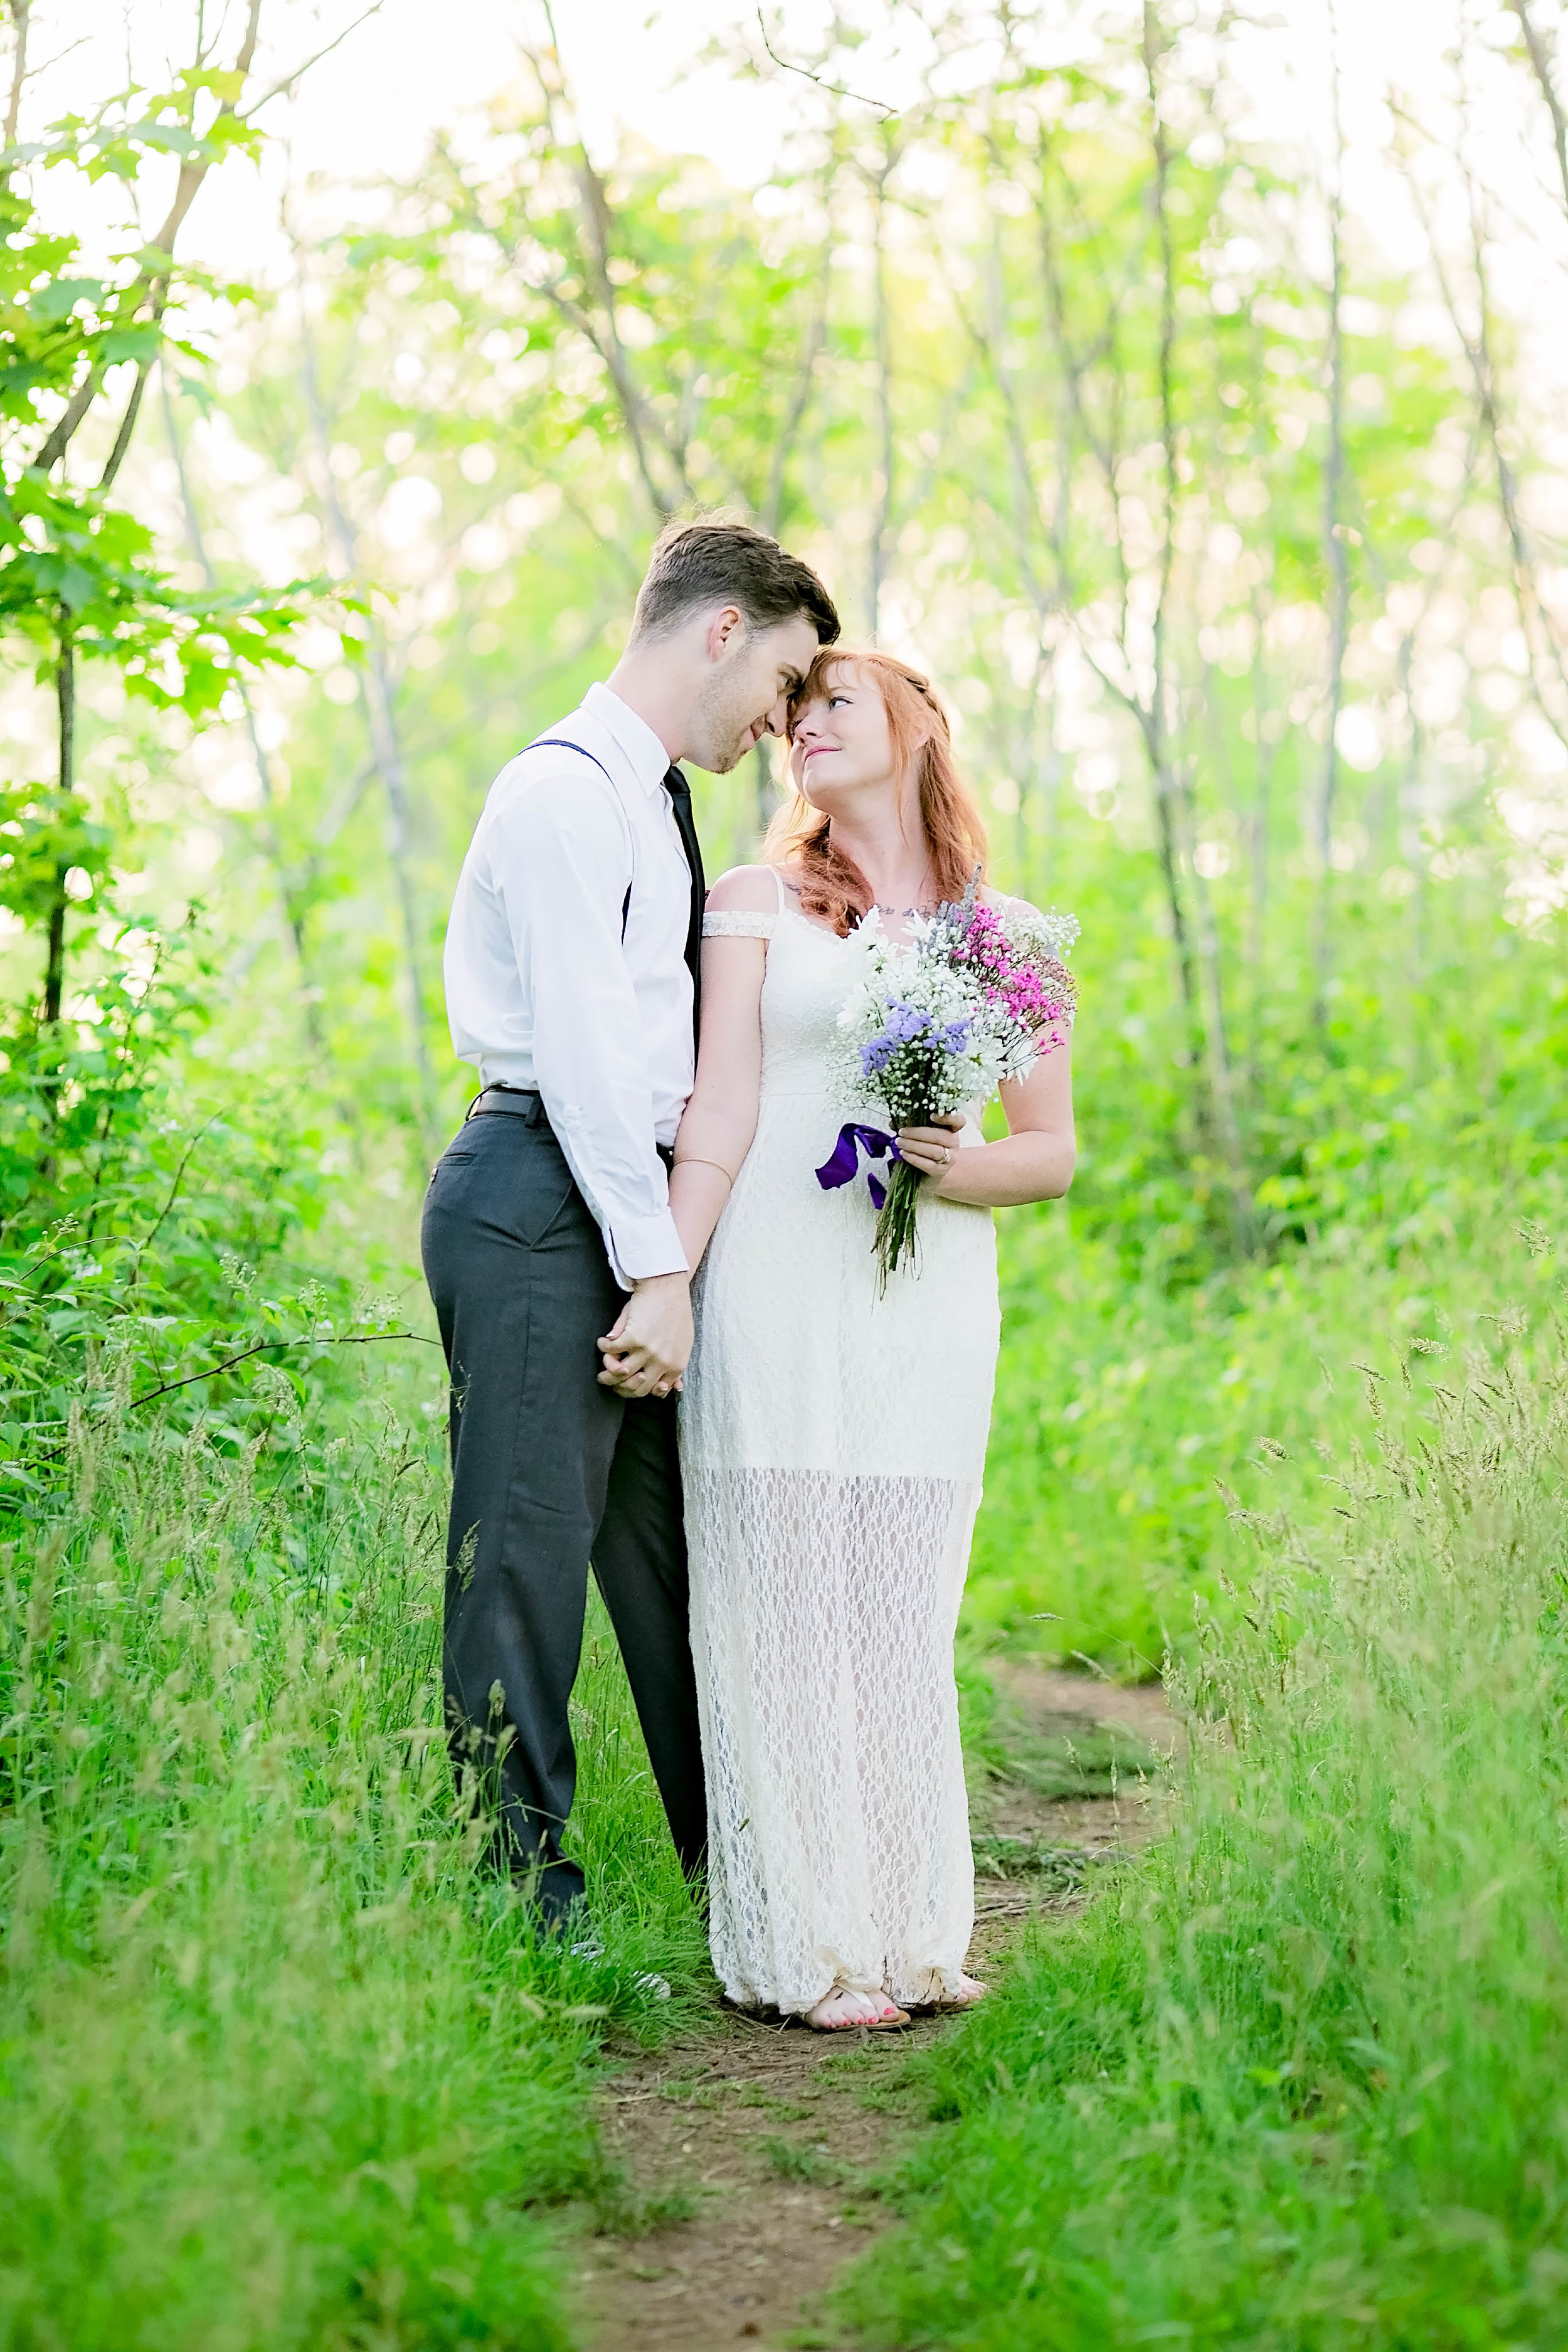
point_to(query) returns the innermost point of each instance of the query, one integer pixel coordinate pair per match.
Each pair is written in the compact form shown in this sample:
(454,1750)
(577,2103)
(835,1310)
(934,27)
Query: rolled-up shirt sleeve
(559,861)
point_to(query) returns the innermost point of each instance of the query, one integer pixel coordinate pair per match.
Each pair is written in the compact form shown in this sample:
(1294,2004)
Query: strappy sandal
(952,2008)
(894,2024)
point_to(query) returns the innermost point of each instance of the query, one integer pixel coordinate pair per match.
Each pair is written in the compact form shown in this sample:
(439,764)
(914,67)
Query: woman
(833,1439)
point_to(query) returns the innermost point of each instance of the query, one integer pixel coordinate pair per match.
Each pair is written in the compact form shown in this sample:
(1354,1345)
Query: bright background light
(371,108)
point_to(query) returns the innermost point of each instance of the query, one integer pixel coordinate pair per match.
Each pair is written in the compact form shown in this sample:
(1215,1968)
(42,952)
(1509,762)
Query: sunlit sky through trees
(1286,625)
(371,106)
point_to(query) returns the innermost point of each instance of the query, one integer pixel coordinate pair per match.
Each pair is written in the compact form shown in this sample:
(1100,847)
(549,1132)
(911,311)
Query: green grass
(1086,1758)
(279,2068)
(1122,1412)
(1294,2082)
(790,2161)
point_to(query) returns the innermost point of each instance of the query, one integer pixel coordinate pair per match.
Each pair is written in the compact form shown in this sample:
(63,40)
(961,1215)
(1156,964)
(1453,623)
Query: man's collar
(635,738)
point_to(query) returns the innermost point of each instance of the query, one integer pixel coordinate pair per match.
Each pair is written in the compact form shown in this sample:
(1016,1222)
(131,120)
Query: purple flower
(905,1025)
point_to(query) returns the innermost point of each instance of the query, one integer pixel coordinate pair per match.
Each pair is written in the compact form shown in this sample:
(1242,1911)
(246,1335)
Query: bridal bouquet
(976,995)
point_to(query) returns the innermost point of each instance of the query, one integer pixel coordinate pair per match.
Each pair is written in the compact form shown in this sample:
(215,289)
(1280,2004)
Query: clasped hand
(647,1351)
(932,1150)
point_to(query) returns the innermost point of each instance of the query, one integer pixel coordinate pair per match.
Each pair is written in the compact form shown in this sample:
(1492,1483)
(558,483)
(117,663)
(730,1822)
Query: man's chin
(723,763)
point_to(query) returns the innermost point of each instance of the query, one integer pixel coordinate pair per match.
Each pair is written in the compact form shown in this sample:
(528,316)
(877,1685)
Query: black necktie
(679,792)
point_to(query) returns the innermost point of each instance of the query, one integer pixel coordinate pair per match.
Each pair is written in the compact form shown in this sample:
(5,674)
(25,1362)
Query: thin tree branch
(269,1347)
(291,81)
(835,89)
(150,1236)
(127,427)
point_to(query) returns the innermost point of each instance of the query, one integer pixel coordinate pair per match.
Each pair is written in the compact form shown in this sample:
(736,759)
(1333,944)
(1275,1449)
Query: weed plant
(279,2068)
(1295,2080)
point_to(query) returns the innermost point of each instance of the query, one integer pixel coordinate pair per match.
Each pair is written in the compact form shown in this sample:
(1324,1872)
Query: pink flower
(1037,996)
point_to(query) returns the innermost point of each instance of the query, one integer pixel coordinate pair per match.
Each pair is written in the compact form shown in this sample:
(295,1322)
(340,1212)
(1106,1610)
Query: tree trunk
(386,749)
(1541,66)
(293,914)
(883,330)
(1217,1067)
(65,696)
(20,12)
(1173,791)
(1155,724)
(375,686)
(1259,830)
(1337,563)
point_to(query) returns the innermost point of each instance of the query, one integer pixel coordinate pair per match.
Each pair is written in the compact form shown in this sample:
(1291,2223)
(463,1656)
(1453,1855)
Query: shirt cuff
(639,1247)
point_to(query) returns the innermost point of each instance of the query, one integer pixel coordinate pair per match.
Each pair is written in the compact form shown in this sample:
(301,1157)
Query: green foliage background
(1239,552)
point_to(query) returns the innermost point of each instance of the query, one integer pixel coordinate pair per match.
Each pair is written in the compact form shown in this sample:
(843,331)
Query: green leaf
(61,297)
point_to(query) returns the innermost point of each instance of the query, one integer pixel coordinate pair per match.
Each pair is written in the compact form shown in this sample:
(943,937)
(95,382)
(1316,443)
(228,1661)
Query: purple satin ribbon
(843,1163)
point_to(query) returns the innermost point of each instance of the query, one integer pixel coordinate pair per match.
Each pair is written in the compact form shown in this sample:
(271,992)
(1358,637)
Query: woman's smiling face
(839,738)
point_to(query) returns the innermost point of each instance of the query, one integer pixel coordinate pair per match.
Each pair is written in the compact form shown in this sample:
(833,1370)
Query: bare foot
(842,2010)
(968,1993)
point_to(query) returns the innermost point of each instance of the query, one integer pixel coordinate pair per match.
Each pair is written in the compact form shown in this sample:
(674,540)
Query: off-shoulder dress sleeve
(740,925)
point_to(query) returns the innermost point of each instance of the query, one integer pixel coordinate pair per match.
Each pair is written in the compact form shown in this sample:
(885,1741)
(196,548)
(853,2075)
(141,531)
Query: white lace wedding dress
(831,1444)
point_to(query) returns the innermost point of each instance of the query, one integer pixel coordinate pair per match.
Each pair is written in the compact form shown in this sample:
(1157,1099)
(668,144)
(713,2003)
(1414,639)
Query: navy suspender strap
(562,743)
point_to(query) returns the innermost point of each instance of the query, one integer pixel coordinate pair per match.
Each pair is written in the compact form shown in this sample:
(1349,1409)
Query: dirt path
(758,2142)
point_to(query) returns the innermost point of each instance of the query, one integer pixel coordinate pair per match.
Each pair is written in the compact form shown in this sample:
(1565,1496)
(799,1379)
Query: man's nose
(778,716)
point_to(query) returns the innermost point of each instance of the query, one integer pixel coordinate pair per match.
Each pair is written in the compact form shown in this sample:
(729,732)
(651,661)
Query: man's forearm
(641,1241)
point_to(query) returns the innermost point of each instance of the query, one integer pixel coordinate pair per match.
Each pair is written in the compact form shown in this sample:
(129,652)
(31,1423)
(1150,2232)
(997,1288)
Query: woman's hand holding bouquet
(973,998)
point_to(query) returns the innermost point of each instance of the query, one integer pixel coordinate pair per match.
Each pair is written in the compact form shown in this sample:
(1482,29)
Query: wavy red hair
(832,888)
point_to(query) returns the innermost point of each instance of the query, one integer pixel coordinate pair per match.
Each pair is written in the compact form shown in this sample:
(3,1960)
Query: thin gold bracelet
(695,1160)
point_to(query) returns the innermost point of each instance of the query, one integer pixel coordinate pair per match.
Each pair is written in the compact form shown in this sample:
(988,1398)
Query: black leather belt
(525,1102)
(521,1100)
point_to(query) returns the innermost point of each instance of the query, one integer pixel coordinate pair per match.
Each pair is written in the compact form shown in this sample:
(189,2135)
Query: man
(572,980)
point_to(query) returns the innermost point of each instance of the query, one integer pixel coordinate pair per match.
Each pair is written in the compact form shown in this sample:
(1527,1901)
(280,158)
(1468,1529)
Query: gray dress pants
(550,1472)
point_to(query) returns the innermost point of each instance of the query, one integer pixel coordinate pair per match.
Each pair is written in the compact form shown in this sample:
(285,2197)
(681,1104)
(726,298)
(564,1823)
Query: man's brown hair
(697,563)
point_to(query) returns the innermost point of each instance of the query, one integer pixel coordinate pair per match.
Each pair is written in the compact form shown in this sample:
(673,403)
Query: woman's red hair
(832,888)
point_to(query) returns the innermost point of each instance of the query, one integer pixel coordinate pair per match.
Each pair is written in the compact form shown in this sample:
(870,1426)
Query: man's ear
(725,629)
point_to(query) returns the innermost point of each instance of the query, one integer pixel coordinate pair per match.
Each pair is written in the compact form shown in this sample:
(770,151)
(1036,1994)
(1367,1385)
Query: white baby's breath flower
(1047,933)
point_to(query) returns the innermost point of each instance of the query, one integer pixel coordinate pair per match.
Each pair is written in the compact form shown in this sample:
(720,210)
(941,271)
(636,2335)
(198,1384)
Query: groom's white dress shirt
(541,989)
